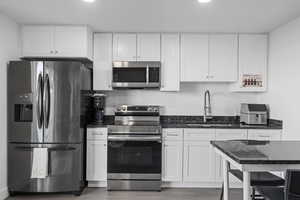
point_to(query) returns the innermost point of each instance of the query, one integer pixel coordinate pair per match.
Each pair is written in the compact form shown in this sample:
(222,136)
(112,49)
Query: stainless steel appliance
(254,114)
(134,149)
(136,74)
(46,110)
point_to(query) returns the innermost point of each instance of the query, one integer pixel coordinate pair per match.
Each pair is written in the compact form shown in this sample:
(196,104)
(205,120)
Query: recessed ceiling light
(89,1)
(204,1)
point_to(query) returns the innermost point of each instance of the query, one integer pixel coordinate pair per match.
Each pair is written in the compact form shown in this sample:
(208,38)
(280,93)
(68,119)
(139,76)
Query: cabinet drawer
(231,134)
(97,133)
(261,134)
(173,134)
(199,134)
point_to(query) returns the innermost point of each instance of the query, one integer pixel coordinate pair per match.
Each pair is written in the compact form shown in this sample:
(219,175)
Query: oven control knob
(155,109)
(150,109)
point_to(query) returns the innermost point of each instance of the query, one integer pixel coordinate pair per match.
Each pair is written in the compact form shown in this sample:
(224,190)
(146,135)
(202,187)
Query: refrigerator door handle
(40,101)
(46,100)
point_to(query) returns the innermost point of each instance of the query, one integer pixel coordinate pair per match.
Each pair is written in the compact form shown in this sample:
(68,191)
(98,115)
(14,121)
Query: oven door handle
(132,132)
(134,138)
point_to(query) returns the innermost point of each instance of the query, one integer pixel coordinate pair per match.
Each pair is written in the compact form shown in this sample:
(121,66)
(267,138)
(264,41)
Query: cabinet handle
(51,52)
(165,145)
(170,134)
(104,145)
(97,133)
(264,136)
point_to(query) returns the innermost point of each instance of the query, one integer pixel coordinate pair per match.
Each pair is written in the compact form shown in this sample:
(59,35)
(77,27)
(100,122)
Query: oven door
(134,158)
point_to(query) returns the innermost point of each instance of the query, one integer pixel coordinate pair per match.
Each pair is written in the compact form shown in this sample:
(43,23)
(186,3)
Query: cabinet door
(228,134)
(37,41)
(194,57)
(124,47)
(170,60)
(71,41)
(253,51)
(148,47)
(102,61)
(198,162)
(172,161)
(96,161)
(263,134)
(223,51)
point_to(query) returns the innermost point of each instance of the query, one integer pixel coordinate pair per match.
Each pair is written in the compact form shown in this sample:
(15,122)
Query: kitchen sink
(209,125)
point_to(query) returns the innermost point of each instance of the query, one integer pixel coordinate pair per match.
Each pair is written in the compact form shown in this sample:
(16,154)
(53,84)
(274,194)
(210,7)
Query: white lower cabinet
(189,160)
(263,134)
(199,156)
(172,155)
(228,134)
(96,155)
(198,162)
(172,161)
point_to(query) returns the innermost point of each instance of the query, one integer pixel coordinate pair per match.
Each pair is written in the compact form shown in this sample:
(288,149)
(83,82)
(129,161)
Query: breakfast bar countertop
(260,152)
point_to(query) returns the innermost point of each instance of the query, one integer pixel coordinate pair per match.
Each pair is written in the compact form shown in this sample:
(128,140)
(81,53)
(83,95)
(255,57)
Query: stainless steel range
(134,149)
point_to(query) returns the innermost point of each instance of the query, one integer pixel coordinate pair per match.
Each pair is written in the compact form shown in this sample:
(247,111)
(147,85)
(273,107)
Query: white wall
(284,77)
(189,101)
(9,49)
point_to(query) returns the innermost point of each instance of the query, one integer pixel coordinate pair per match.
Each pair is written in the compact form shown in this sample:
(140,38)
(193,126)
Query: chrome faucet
(207,106)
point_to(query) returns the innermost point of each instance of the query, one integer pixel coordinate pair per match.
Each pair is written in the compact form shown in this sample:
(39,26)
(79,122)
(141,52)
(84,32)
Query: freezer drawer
(65,168)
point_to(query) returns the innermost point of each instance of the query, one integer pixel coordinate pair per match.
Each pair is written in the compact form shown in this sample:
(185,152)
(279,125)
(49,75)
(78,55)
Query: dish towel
(39,163)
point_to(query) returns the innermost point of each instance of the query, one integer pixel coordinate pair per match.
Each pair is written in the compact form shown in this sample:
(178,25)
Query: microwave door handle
(147,74)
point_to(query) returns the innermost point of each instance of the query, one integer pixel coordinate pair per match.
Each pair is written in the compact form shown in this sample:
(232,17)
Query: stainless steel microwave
(136,74)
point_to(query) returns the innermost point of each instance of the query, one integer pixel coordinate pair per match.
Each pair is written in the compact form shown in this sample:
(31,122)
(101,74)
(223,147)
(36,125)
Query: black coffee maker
(98,108)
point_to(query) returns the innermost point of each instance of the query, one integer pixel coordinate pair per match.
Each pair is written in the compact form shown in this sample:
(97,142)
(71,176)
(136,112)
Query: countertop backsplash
(188,101)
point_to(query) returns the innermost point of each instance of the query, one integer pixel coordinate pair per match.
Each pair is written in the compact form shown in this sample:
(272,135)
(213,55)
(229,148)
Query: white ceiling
(157,15)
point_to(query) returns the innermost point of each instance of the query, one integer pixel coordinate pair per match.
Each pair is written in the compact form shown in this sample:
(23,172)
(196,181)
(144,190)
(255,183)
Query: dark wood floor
(166,194)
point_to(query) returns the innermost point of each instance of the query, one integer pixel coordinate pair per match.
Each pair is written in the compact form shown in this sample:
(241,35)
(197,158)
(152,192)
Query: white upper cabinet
(194,57)
(223,58)
(57,41)
(148,47)
(37,41)
(125,47)
(102,70)
(209,58)
(136,47)
(73,41)
(170,60)
(253,53)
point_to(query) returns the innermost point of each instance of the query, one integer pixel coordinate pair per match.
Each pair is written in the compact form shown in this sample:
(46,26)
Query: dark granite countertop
(222,122)
(261,152)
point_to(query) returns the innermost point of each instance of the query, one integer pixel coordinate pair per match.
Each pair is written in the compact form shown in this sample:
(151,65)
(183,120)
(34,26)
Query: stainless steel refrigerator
(47,108)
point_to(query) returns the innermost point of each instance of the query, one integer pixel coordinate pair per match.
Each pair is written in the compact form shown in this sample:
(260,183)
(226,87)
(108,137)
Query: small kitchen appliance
(254,114)
(98,108)
(135,149)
